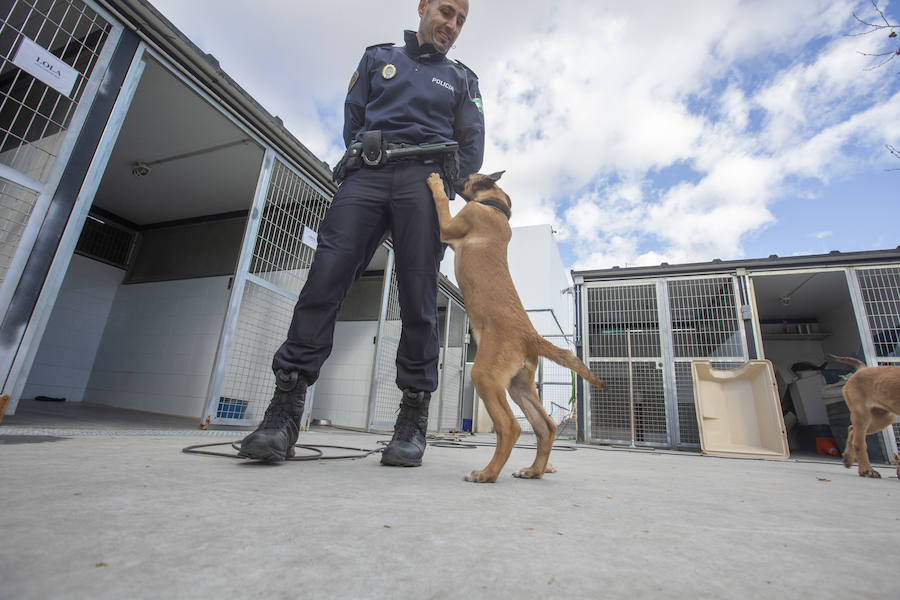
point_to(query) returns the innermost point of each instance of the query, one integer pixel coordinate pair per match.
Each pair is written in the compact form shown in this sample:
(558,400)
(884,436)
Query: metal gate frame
(287,232)
(448,402)
(864,319)
(17,358)
(665,361)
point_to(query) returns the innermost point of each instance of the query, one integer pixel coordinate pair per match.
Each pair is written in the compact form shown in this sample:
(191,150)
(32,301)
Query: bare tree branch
(894,152)
(878,27)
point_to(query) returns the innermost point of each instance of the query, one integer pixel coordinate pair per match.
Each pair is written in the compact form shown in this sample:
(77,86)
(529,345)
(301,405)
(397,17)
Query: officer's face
(441,21)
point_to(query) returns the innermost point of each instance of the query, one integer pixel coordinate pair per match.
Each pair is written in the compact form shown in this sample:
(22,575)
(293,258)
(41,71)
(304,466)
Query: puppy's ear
(495,177)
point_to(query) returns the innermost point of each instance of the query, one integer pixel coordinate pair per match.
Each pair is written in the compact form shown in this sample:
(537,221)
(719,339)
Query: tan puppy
(508,345)
(873,396)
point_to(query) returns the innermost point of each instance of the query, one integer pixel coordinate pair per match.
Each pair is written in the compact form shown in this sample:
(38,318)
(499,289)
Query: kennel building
(639,329)
(157,225)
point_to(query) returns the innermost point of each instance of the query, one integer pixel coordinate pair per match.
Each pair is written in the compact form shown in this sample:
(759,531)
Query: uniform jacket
(416,95)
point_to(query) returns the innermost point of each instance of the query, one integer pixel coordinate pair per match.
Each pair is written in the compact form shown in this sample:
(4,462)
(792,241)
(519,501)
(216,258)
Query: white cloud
(645,132)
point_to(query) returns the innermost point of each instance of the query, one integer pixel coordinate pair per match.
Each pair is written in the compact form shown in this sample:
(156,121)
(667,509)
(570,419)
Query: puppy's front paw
(478,476)
(435,183)
(870,473)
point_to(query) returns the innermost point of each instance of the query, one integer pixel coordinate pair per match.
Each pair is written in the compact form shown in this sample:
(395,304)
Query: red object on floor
(826,446)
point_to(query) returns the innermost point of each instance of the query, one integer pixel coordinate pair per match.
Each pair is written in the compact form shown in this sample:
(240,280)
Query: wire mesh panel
(33,115)
(705,320)
(880,290)
(16,203)
(627,348)
(280,256)
(278,269)
(387,397)
(624,349)
(705,326)
(881,295)
(262,323)
(554,387)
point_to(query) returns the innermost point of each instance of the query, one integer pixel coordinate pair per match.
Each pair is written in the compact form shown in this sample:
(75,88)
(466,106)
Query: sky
(644,132)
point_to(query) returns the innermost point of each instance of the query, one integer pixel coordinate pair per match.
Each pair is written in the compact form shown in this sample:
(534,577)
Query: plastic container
(738,411)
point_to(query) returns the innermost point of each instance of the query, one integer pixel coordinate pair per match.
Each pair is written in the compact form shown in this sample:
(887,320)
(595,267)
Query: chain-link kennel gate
(640,337)
(880,291)
(273,267)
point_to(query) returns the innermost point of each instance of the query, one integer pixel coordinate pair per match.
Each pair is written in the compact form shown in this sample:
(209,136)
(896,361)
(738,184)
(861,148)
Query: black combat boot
(275,437)
(408,444)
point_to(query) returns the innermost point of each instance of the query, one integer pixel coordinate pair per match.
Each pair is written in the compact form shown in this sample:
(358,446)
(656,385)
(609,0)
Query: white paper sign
(310,238)
(38,61)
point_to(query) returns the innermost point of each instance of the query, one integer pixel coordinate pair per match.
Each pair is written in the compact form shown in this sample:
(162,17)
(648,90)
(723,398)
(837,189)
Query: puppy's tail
(858,364)
(567,359)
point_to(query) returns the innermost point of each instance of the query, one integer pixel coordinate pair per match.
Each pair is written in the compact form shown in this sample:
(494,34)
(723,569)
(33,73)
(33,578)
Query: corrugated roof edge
(153,27)
(833,258)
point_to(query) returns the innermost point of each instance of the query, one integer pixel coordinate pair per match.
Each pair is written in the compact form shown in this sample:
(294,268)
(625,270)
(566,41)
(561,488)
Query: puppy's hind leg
(861,419)
(523,391)
(878,420)
(493,394)
(849,454)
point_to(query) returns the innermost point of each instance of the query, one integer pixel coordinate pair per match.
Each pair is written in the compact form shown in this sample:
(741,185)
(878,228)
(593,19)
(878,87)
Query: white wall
(159,346)
(62,366)
(342,390)
(539,274)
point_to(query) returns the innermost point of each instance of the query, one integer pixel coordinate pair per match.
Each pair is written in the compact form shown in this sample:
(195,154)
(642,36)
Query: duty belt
(371,152)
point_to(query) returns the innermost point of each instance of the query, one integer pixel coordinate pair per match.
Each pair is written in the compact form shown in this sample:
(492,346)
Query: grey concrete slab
(35,413)
(117,514)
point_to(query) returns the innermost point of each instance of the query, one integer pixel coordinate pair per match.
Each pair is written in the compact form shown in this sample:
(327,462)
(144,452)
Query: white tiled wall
(159,346)
(62,366)
(342,391)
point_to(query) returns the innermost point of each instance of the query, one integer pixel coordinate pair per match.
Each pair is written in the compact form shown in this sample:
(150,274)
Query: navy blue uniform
(429,99)
(413,95)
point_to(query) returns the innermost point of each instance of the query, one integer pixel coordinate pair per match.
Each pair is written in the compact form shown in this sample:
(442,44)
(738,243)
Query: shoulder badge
(353,79)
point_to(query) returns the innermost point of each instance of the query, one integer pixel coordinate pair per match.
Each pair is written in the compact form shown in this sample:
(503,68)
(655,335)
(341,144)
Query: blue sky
(649,132)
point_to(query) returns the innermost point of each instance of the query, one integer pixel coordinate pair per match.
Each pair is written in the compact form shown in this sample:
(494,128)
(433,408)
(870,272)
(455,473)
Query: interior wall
(63,363)
(159,346)
(187,251)
(342,390)
(829,309)
(844,339)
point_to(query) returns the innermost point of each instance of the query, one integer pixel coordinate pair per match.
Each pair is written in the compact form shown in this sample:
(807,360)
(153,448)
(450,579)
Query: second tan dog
(873,396)
(508,345)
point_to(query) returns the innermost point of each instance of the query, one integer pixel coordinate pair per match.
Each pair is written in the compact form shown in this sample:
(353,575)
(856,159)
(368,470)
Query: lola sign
(39,62)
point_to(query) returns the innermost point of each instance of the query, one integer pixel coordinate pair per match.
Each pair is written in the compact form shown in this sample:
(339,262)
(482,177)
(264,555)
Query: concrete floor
(120,511)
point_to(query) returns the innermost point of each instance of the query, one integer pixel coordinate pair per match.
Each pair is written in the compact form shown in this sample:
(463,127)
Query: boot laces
(283,407)
(407,422)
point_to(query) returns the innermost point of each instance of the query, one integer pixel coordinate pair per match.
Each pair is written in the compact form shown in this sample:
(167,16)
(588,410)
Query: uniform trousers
(369,205)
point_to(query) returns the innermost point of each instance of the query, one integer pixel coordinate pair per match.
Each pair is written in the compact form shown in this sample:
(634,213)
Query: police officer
(414,103)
